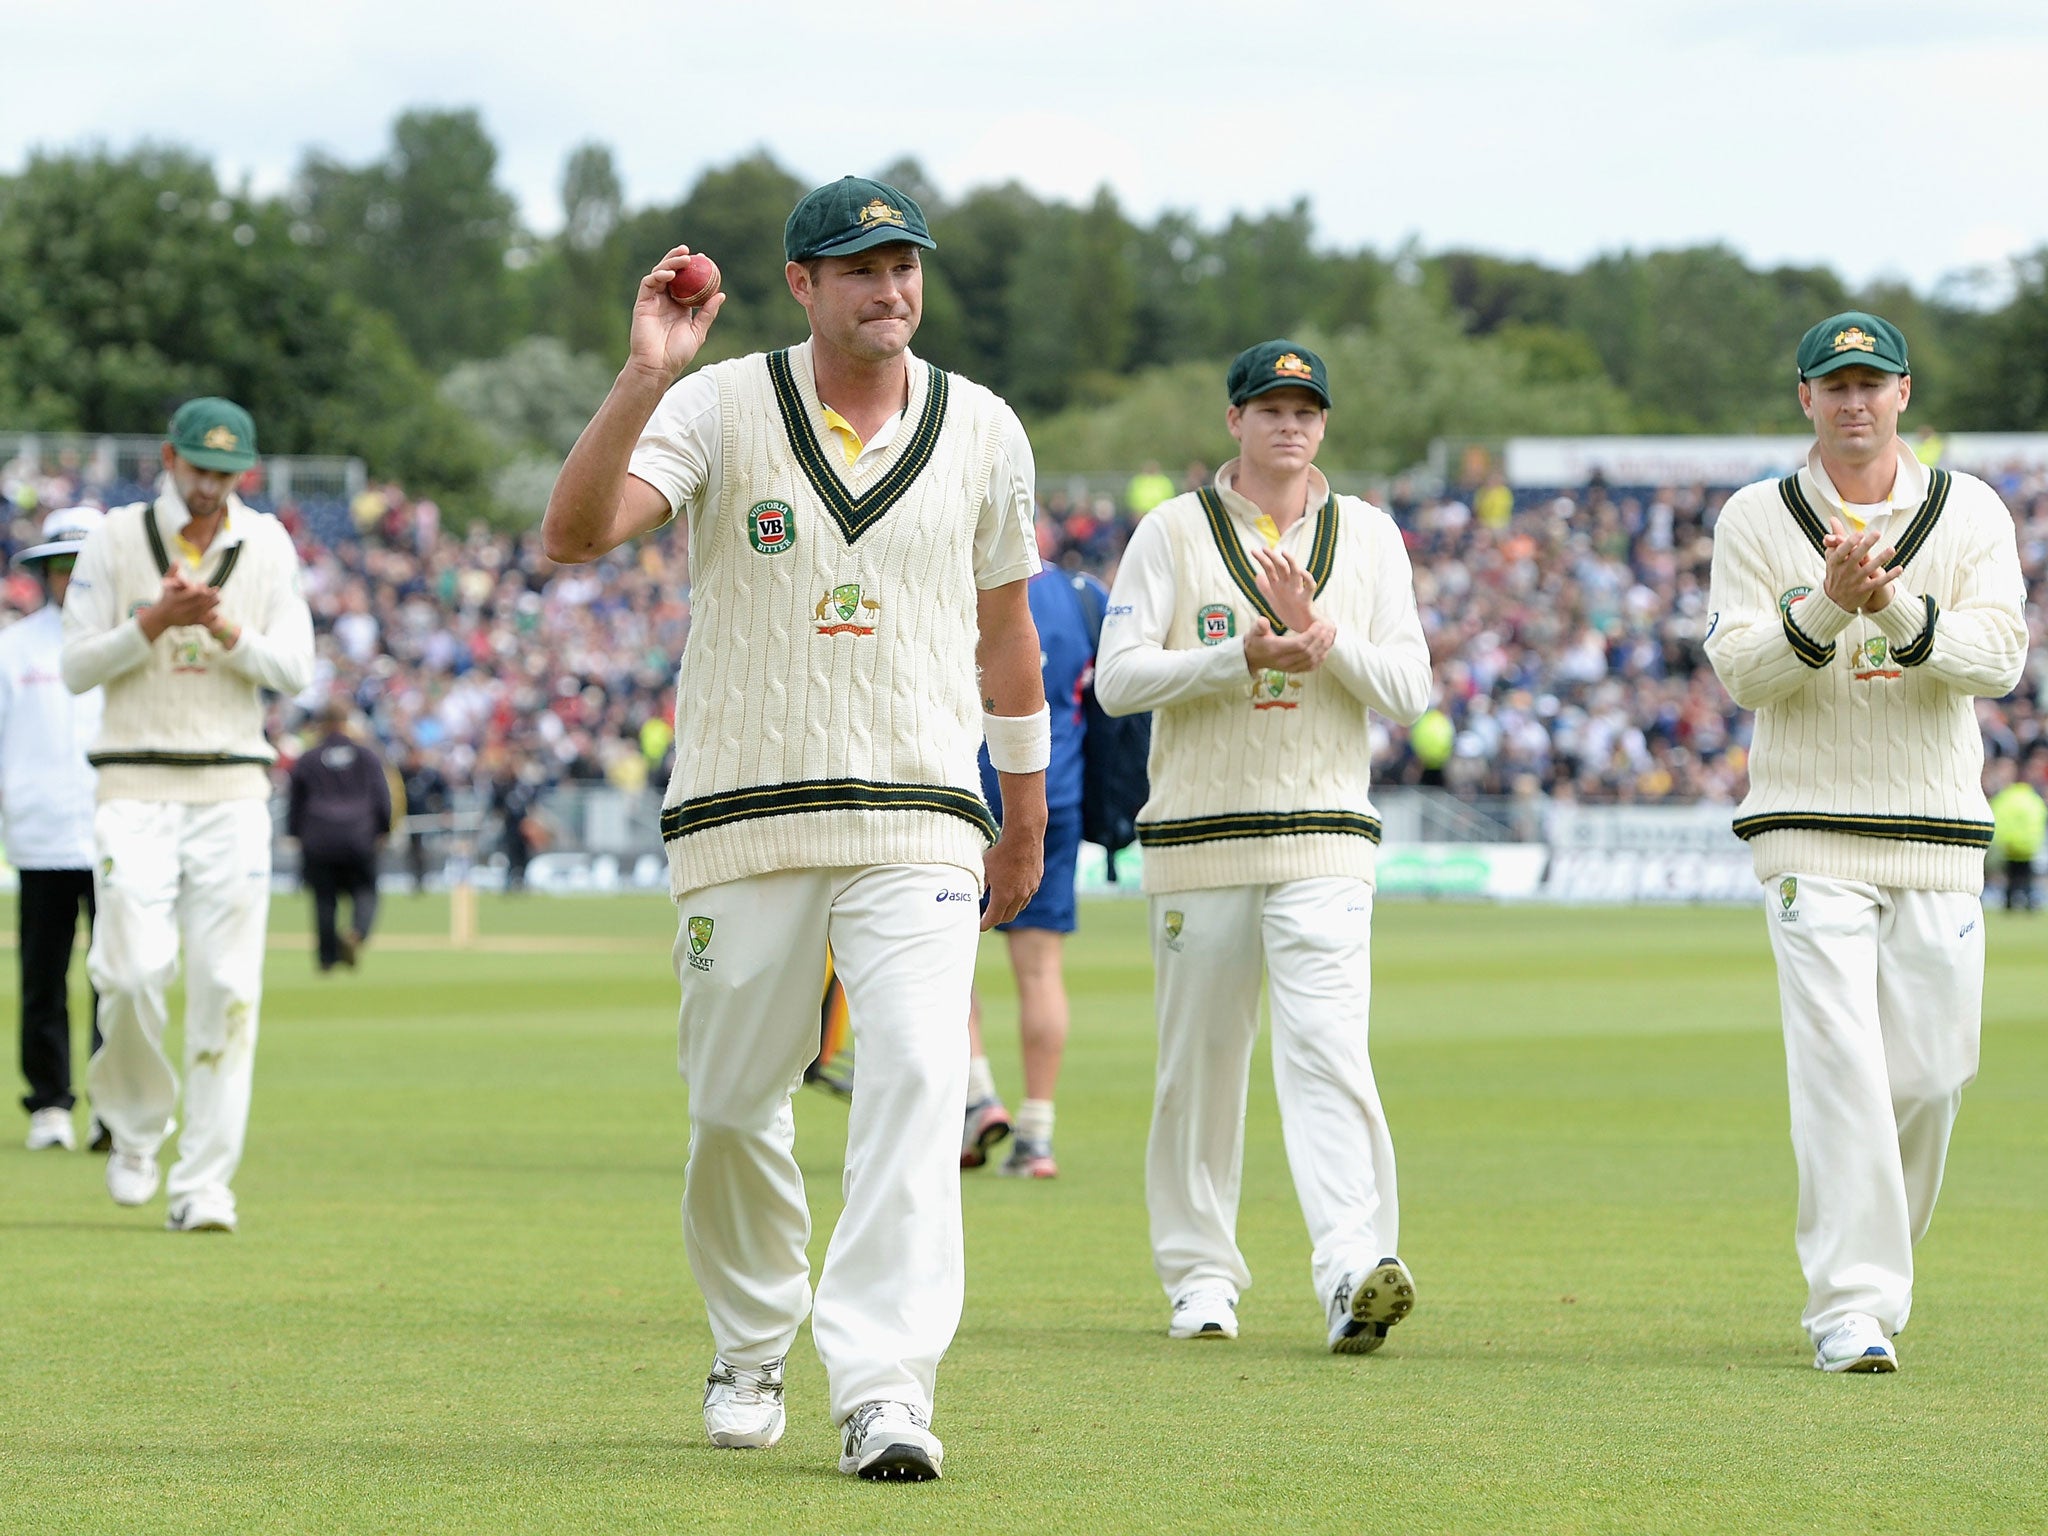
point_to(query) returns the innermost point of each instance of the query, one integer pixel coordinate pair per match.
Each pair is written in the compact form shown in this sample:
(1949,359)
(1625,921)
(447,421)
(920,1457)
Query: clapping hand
(1859,575)
(1286,585)
(1289,590)
(184,600)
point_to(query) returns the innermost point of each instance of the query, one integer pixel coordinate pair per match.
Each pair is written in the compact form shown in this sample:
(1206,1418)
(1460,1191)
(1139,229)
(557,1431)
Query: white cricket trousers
(171,872)
(1882,991)
(1312,941)
(903,940)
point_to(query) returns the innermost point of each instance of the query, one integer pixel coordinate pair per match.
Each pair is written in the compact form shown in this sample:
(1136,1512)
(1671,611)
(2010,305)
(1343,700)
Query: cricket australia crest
(771,527)
(1172,927)
(1788,893)
(1274,689)
(1873,660)
(1216,623)
(843,610)
(699,930)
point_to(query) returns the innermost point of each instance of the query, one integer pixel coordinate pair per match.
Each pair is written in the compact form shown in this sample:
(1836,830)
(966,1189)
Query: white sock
(981,1083)
(1034,1120)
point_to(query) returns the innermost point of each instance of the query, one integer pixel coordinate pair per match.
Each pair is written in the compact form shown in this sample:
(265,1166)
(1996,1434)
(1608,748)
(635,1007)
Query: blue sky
(1879,138)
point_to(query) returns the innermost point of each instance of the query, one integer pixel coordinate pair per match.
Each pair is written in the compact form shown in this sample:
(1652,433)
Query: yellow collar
(1248,511)
(1909,487)
(849,440)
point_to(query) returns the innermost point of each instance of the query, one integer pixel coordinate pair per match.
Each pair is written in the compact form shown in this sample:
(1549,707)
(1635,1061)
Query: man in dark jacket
(426,794)
(340,813)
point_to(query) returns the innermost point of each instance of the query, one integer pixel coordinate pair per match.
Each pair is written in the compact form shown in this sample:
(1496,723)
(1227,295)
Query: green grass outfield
(458,1300)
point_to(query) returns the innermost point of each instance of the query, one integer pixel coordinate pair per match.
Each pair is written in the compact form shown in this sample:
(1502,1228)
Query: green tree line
(399,310)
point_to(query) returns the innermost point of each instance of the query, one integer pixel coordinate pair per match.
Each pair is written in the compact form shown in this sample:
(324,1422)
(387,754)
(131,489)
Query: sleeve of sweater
(1387,667)
(100,643)
(1978,644)
(1134,671)
(277,652)
(1754,646)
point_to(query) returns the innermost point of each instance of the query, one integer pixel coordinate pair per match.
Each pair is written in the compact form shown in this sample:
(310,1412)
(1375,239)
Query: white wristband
(1019,743)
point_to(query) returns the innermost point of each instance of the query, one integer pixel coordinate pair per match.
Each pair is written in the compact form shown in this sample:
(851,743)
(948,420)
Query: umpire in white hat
(46,805)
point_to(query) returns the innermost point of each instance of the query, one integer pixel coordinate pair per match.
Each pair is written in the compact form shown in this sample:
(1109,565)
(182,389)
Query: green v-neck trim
(1918,529)
(162,556)
(855,515)
(1322,551)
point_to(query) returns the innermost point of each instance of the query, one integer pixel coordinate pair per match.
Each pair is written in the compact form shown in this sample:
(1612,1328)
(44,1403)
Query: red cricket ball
(695,281)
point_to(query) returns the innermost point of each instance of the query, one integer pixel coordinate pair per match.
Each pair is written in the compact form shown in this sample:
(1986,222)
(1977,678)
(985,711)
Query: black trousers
(2019,885)
(354,876)
(50,903)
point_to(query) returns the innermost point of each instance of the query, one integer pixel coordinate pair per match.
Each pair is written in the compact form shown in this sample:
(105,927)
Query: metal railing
(108,459)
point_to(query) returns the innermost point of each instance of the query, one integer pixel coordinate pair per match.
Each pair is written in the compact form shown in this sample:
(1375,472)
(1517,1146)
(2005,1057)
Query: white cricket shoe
(50,1128)
(131,1176)
(1857,1344)
(891,1443)
(1204,1312)
(1364,1307)
(197,1216)
(743,1408)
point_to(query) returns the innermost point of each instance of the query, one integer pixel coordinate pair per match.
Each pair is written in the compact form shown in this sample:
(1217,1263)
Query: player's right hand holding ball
(667,333)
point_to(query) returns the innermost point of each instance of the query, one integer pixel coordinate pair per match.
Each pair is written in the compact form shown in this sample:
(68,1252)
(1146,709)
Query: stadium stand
(1567,642)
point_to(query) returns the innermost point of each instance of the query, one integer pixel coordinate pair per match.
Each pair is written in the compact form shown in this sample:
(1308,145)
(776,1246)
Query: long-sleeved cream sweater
(1866,757)
(1259,779)
(184,716)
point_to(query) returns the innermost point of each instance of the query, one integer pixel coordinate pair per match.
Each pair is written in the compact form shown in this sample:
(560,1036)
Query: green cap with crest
(1853,339)
(853,214)
(214,434)
(1276,365)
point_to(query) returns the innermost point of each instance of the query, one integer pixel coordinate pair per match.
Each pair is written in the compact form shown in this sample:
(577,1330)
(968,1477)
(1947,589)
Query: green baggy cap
(1852,339)
(214,434)
(1277,365)
(853,214)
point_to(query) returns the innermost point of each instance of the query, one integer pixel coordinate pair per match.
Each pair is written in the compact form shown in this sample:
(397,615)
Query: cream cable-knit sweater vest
(1866,757)
(1270,781)
(826,708)
(184,726)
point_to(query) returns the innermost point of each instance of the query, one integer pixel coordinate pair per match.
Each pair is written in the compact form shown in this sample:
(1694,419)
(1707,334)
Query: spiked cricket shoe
(1204,1312)
(987,1124)
(1364,1307)
(743,1407)
(1858,1345)
(131,1176)
(891,1443)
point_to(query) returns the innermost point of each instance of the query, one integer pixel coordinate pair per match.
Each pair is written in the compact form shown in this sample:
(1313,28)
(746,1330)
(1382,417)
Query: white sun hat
(64,533)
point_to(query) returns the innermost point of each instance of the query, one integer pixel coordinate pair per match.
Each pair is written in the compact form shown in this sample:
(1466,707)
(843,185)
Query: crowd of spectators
(1566,631)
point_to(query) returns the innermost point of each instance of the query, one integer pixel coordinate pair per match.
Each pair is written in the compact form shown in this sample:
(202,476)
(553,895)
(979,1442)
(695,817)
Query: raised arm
(596,504)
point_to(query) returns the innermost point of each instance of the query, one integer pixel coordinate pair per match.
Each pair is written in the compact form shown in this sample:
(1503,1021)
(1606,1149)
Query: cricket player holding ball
(184,609)
(1262,619)
(1859,606)
(860,541)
